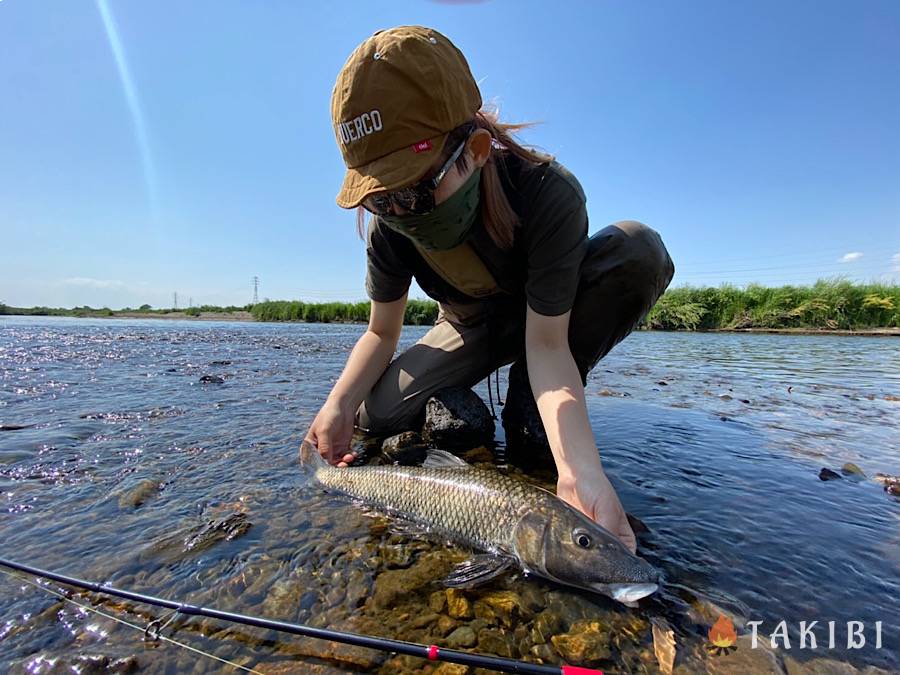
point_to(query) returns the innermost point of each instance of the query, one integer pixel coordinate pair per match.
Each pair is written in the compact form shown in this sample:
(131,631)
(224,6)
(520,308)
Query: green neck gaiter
(448,225)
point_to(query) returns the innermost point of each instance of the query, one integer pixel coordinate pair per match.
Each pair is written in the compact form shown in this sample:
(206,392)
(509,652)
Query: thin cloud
(88,282)
(895,263)
(851,257)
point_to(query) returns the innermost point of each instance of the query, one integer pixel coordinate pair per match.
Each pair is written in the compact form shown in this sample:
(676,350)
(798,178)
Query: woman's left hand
(595,496)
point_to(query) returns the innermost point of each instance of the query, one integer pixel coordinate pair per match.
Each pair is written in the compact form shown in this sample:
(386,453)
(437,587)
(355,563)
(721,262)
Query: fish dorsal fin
(444,460)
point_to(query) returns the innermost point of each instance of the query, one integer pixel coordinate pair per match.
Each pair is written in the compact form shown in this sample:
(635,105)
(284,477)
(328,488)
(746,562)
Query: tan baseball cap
(394,102)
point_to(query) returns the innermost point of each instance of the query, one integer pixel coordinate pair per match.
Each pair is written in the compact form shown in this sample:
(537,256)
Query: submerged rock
(406,448)
(463,636)
(211,379)
(494,642)
(456,417)
(507,606)
(545,626)
(850,469)
(94,664)
(828,474)
(392,585)
(458,605)
(140,493)
(585,642)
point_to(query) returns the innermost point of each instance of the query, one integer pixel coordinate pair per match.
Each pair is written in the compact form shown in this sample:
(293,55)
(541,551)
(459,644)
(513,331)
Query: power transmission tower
(255,281)
(190,302)
(175,300)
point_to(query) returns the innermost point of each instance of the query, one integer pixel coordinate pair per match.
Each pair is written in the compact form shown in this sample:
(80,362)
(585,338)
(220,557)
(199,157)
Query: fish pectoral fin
(444,460)
(477,570)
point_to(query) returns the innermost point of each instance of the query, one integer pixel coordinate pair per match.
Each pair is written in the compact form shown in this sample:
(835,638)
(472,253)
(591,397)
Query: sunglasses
(418,199)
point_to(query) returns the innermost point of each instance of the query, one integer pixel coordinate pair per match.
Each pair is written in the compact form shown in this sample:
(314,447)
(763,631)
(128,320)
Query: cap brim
(396,170)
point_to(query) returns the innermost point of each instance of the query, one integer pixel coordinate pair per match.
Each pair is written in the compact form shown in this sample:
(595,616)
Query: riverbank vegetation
(826,305)
(829,305)
(418,312)
(95,312)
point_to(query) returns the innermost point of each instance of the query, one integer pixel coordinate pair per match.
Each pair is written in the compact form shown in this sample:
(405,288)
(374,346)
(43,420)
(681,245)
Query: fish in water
(514,522)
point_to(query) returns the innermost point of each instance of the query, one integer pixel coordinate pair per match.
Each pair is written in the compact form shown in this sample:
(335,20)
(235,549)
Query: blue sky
(158,147)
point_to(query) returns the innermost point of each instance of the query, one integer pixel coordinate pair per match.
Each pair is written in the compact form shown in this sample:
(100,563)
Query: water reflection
(120,464)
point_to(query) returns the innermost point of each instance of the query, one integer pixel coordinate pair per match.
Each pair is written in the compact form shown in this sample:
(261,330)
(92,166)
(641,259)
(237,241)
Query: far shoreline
(247,317)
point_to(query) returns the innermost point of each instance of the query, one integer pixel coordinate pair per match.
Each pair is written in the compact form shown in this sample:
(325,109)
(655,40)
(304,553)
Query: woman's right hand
(331,432)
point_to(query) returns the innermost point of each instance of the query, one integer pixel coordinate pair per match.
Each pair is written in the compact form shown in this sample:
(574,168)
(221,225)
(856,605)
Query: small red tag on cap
(422,146)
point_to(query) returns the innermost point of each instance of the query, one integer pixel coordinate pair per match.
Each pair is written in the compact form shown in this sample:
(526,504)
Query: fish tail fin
(310,459)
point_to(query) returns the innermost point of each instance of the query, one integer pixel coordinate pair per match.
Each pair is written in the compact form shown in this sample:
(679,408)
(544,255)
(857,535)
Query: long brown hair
(498,216)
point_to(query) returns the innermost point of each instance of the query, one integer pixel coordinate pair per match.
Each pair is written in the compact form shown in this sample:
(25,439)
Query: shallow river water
(118,464)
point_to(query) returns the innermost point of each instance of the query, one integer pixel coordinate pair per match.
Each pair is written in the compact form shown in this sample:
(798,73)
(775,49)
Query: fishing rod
(430,652)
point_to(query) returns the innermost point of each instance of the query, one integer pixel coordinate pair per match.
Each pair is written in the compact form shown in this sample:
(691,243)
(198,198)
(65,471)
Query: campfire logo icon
(722,637)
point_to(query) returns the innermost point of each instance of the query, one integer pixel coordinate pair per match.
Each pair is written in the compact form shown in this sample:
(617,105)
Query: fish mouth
(628,593)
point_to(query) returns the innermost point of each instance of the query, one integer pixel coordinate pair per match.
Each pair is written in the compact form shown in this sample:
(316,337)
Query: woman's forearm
(370,357)
(556,385)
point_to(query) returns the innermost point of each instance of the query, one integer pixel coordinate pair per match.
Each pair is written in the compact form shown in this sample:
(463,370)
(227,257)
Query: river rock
(850,469)
(456,417)
(230,527)
(544,627)
(284,596)
(826,666)
(437,601)
(463,636)
(451,669)
(458,605)
(584,643)
(211,379)
(391,585)
(745,659)
(445,625)
(406,448)
(14,427)
(828,474)
(140,493)
(94,664)
(507,606)
(494,642)
(543,653)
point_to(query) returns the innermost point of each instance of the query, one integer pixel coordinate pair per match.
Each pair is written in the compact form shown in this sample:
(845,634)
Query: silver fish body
(513,521)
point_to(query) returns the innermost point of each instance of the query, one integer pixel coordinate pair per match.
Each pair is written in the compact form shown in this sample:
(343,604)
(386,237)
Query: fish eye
(581,538)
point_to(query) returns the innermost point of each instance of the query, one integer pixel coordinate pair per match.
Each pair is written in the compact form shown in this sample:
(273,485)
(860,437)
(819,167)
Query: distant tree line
(86,310)
(828,304)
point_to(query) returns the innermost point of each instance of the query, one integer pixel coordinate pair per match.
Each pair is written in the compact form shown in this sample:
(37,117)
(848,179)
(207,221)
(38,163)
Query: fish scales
(481,506)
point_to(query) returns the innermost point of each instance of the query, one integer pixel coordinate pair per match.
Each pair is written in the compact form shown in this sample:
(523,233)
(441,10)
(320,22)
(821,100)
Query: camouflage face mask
(448,225)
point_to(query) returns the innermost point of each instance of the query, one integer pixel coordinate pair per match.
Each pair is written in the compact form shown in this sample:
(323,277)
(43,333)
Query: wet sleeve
(556,247)
(387,277)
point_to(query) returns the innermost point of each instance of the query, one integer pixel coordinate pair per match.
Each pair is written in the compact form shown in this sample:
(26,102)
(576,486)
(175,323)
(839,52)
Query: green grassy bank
(418,312)
(830,305)
(826,305)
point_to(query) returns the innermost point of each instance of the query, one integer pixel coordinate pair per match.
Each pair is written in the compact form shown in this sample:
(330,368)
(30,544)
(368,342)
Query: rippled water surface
(118,464)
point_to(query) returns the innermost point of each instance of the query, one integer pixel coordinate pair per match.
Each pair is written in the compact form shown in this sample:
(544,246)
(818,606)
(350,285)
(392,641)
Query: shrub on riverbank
(418,312)
(826,304)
